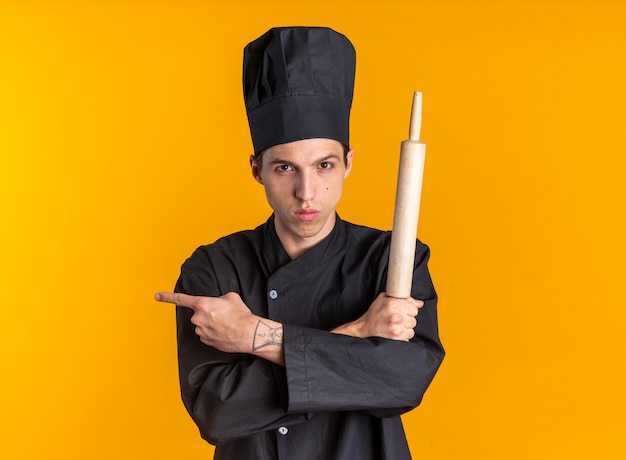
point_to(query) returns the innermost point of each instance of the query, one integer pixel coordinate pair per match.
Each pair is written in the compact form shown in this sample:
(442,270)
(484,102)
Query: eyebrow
(330,156)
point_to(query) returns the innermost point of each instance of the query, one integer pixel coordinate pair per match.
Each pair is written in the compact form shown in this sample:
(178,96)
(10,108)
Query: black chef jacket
(338,397)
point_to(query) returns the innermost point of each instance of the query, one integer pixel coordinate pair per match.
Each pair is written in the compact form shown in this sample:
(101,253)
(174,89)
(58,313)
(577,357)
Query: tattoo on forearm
(265,335)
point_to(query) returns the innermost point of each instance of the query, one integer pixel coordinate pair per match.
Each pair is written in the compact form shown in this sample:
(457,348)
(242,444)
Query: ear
(254,168)
(349,156)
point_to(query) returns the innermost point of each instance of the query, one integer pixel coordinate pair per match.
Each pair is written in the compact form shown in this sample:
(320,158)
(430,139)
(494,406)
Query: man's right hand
(387,317)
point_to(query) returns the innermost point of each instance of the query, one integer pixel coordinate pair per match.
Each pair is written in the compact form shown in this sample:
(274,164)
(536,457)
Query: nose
(305,188)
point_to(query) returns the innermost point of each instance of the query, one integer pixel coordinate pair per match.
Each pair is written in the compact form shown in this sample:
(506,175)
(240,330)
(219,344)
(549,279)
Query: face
(303,183)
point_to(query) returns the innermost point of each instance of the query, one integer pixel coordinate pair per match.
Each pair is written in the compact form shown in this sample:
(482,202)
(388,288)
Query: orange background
(124,145)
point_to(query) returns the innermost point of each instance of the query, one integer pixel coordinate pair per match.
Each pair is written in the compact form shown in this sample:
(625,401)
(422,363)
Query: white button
(273,294)
(283,430)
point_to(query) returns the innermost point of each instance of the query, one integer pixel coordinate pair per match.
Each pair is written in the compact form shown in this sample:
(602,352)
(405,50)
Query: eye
(326,165)
(283,168)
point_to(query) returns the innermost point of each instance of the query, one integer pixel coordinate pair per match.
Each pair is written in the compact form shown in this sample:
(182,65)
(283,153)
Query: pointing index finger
(182,300)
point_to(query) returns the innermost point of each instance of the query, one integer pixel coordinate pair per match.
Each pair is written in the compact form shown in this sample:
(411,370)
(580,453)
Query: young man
(288,346)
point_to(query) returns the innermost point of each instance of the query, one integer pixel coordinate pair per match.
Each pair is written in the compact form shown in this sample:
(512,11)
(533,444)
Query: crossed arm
(227,324)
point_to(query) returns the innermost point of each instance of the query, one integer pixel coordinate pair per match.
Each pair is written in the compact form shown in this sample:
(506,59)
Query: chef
(288,346)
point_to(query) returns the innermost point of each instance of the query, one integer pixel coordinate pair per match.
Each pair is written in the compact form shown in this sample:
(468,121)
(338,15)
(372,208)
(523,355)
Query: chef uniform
(337,397)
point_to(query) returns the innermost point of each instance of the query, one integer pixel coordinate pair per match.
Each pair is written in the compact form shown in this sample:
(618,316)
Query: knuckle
(395,318)
(198,320)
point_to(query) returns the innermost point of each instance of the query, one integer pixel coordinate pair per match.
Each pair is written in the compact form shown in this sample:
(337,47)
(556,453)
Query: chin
(308,230)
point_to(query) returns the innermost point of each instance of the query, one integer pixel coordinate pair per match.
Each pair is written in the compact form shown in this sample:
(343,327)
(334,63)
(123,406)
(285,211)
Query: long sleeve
(333,372)
(341,373)
(228,395)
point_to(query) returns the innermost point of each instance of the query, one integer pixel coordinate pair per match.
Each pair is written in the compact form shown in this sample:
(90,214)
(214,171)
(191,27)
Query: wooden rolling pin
(406,213)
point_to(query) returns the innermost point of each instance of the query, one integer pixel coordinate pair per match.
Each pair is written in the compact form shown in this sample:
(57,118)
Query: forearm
(267,341)
(229,395)
(352,368)
(333,372)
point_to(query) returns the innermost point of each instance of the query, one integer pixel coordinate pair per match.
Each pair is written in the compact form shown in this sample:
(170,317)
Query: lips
(306,215)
